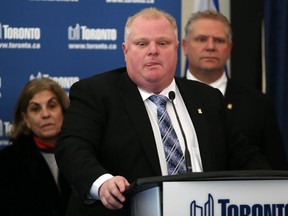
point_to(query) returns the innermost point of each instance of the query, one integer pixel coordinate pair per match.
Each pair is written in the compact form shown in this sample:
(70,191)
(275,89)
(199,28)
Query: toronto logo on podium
(224,207)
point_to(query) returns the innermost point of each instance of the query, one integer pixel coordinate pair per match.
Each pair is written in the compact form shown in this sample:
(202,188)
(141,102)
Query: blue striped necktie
(173,153)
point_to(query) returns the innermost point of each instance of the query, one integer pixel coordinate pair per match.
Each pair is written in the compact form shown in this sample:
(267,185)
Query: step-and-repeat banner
(66,40)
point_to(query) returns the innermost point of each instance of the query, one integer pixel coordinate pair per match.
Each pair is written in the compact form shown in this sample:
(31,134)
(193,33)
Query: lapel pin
(229,106)
(199,111)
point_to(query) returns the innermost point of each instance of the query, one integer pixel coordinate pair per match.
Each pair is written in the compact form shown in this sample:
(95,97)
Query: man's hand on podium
(111,192)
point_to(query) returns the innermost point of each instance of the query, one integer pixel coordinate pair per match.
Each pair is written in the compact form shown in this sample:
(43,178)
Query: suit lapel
(233,97)
(197,111)
(140,120)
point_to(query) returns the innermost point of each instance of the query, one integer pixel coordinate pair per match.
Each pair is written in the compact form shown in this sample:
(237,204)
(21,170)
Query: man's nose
(153,49)
(210,44)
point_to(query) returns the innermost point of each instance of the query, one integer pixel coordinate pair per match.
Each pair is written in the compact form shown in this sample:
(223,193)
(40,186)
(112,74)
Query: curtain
(276,56)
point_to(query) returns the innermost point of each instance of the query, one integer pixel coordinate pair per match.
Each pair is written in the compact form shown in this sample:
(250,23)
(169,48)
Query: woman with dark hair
(30,182)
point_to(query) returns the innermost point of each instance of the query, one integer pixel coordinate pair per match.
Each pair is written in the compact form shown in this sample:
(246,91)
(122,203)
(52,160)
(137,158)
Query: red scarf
(43,146)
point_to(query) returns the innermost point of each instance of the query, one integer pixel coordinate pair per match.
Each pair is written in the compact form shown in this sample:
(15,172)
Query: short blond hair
(208,14)
(149,13)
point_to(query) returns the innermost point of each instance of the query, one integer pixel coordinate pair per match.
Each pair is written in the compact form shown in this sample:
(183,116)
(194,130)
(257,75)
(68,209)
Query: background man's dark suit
(253,113)
(108,128)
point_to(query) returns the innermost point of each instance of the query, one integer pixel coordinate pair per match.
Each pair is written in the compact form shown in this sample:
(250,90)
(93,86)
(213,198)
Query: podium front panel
(225,198)
(147,203)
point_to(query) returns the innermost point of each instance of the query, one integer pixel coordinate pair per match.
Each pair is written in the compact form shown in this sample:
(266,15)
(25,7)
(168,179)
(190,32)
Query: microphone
(187,153)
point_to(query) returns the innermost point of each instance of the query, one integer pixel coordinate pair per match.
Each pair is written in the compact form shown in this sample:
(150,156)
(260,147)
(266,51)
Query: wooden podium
(228,193)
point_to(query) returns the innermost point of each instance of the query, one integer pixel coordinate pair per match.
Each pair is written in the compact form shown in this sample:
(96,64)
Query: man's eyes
(160,43)
(141,44)
(215,40)
(201,39)
(219,40)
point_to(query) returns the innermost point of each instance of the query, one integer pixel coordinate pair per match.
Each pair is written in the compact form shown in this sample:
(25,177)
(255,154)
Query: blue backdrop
(66,40)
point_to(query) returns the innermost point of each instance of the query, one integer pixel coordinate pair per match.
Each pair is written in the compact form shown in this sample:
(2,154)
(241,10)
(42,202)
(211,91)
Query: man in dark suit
(110,135)
(207,45)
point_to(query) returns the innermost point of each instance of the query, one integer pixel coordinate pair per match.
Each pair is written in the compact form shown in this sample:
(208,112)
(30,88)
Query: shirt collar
(220,84)
(145,95)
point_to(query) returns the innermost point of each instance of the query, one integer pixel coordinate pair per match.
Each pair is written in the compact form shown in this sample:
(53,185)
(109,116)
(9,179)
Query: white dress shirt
(220,84)
(185,120)
(188,129)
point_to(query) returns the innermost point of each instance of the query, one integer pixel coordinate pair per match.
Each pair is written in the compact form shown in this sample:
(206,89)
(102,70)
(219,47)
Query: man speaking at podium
(141,121)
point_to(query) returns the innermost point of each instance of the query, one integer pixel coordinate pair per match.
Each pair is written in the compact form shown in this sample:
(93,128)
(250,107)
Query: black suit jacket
(107,130)
(27,186)
(253,114)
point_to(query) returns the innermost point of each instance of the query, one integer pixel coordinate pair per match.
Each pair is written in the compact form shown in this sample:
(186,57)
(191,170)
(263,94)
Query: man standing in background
(207,45)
